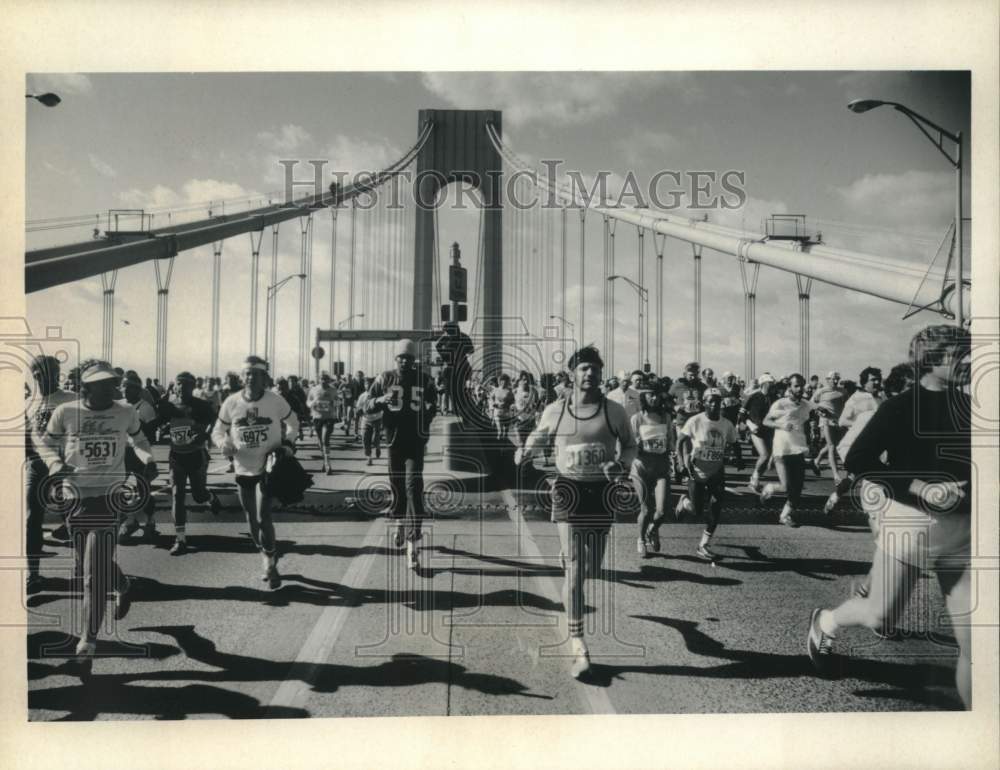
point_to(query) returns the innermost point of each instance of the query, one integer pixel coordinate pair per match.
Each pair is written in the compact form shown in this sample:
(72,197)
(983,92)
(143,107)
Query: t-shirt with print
(93,441)
(709,439)
(255,429)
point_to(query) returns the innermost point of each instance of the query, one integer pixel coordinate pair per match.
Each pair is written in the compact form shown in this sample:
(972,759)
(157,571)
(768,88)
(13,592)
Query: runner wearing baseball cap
(84,446)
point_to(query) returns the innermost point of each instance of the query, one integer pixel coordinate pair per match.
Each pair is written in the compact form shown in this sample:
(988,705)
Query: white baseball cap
(97,372)
(765,377)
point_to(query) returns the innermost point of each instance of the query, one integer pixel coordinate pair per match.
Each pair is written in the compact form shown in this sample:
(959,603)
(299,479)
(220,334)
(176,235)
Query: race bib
(182,435)
(98,451)
(584,459)
(710,455)
(653,439)
(253,438)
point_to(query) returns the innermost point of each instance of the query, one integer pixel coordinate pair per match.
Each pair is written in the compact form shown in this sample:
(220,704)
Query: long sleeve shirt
(411,405)
(252,429)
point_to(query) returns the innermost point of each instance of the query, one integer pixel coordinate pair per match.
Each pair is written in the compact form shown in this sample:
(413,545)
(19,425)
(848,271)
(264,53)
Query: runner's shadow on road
(754,560)
(909,680)
(657,574)
(115,694)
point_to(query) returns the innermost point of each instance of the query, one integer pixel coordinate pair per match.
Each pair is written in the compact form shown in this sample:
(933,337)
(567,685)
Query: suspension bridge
(386,245)
(477,629)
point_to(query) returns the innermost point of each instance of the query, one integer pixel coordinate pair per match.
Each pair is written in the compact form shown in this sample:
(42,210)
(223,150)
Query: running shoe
(128,528)
(123,599)
(399,536)
(150,533)
(767,493)
(819,646)
(706,554)
(581,659)
(653,538)
(273,577)
(642,548)
(214,504)
(412,556)
(84,662)
(787,520)
(680,508)
(831,503)
(814,464)
(179,548)
(369,461)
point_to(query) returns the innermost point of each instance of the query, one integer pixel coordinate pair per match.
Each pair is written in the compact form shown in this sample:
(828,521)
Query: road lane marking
(595,699)
(315,651)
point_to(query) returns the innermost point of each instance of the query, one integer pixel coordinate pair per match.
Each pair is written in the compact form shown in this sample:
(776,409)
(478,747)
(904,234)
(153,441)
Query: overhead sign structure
(457,283)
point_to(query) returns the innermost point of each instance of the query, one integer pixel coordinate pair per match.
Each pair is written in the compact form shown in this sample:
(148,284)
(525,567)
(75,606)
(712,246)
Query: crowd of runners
(898,444)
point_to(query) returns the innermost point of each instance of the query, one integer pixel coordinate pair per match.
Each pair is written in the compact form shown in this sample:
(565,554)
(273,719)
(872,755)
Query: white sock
(179,533)
(827,623)
(705,537)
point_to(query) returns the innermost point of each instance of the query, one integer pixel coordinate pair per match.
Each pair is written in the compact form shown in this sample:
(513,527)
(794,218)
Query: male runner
(594,448)
(925,435)
(701,446)
(371,424)
(788,417)
(41,405)
(84,445)
(254,425)
(502,402)
(322,402)
(755,408)
(188,421)
(867,399)
(407,400)
(831,396)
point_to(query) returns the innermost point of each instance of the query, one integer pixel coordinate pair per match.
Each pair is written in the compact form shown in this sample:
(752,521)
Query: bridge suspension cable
(64,264)
(878,276)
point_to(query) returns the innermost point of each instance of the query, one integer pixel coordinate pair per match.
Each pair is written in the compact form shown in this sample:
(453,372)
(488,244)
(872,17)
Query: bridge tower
(459,150)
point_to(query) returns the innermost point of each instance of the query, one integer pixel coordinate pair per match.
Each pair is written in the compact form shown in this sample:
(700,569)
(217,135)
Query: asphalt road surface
(479,630)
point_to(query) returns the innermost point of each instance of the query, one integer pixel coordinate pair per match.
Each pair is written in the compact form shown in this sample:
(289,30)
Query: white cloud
(545,98)
(288,138)
(206,191)
(103,168)
(921,198)
(62,84)
(647,145)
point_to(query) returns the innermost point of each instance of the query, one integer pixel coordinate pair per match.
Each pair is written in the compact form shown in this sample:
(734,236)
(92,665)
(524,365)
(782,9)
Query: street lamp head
(863,105)
(48,99)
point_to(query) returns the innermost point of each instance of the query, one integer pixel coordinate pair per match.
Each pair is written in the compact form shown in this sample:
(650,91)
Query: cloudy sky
(177,142)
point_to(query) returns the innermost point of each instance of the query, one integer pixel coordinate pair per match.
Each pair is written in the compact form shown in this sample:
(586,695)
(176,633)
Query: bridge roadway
(352,632)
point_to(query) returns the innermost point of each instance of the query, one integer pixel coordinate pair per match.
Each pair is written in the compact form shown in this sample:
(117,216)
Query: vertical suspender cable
(216,294)
(659,241)
(612,304)
(643,301)
(583,253)
(255,243)
(331,320)
(273,325)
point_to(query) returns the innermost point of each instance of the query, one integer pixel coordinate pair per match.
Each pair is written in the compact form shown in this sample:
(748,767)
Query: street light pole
(863,105)
(272,293)
(341,326)
(643,298)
